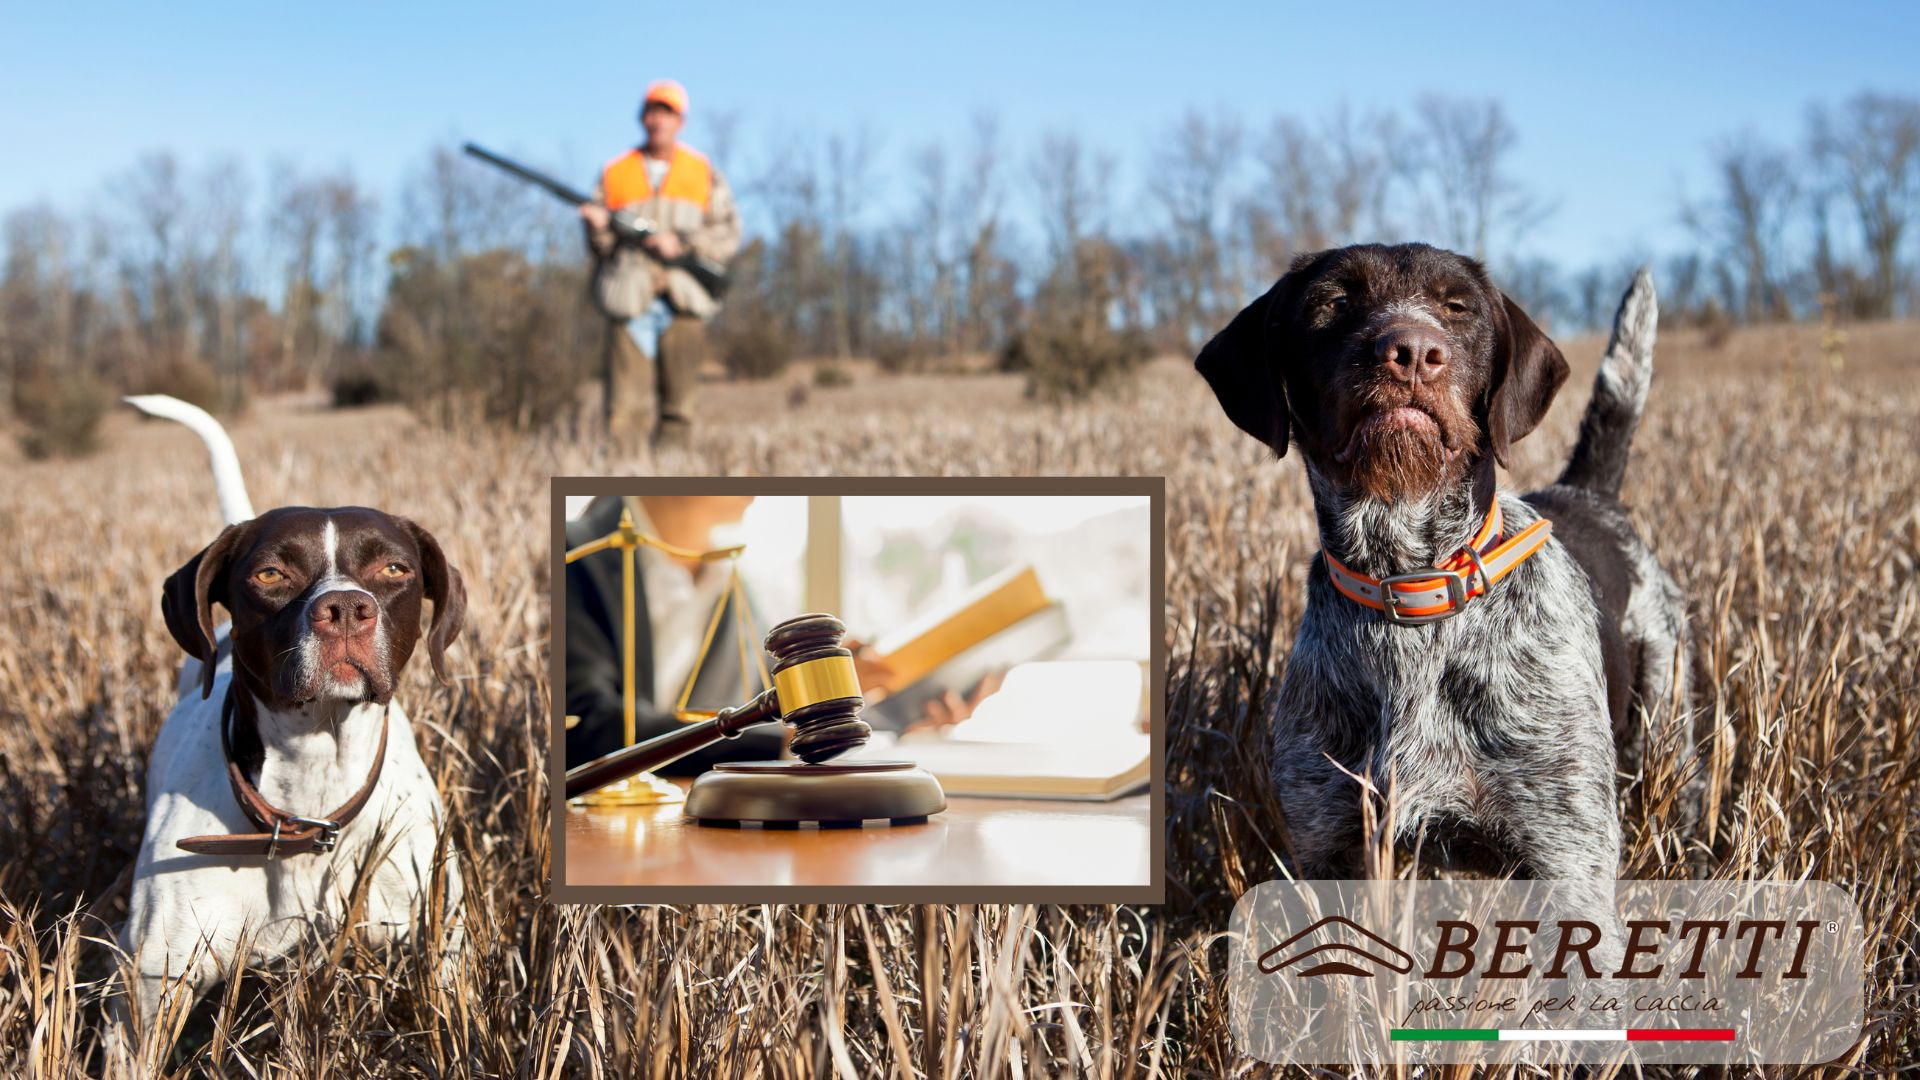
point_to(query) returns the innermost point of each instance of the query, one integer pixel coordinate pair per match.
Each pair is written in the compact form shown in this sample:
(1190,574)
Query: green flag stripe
(1446,1034)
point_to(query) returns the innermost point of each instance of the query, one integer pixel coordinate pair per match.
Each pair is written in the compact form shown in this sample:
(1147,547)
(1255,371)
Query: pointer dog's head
(326,604)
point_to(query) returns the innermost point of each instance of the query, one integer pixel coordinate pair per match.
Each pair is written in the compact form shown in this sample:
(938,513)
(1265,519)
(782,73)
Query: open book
(1005,620)
(1059,730)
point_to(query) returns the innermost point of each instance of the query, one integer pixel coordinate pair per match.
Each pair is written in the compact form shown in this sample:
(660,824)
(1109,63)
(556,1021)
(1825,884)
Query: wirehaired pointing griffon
(287,771)
(1471,651)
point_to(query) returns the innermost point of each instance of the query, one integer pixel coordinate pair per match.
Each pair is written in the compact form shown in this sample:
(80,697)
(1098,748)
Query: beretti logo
(1371,947)
(1543,972)
(1456,954)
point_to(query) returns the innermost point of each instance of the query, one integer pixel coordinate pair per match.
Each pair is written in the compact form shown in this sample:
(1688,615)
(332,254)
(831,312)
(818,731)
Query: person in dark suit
(672,602)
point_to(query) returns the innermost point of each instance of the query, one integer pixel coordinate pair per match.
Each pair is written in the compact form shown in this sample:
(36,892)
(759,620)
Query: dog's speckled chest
(1455,719)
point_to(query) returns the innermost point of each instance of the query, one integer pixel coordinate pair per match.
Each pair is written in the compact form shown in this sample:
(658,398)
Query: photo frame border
(1153,892)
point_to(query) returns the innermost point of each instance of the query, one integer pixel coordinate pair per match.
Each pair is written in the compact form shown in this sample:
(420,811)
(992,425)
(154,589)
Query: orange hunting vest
(689,179)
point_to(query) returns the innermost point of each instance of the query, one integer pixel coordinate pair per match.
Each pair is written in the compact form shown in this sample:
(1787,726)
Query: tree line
(464,292)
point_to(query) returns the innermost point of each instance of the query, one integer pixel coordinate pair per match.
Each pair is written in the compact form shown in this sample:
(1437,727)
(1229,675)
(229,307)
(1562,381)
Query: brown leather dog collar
(283,833)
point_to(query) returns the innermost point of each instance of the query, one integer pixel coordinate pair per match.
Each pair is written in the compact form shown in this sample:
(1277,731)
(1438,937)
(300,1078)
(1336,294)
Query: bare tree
(933,216)
(1324,184)
(352,217)
(298,216)
(151,256)
(1681,288)
(1072,184)
(977,207)
(849,190)
(1193,180)
(798,279)
(1744,222)
(452,205)
(37,299)
(221,218)
(1462,152)
(1868,151)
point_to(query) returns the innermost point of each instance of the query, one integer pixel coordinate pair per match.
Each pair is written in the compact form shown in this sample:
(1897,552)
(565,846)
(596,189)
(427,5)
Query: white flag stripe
(1563,1035)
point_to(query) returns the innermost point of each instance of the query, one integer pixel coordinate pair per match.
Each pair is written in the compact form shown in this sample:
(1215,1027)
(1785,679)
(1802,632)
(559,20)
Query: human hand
(666,244)
(950,708)
(596,215)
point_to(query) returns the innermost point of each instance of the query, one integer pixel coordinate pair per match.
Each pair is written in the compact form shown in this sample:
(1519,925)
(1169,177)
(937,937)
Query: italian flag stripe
(1562,1035)
(1446,1034)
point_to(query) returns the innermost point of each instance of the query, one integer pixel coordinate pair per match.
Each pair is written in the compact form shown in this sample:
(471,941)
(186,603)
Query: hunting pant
(676,356)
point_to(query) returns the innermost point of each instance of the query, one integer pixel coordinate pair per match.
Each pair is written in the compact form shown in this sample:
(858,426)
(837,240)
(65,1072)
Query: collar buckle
(328,831)
(1456,595)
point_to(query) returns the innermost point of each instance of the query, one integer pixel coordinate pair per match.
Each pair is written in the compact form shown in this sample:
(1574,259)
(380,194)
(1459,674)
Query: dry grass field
(1780,483)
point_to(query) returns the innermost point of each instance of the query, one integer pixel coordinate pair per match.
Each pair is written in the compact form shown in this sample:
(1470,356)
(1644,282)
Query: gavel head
(818,689)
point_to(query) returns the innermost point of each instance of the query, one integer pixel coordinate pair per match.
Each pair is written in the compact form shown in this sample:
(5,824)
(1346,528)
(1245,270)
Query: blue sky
(1615,104)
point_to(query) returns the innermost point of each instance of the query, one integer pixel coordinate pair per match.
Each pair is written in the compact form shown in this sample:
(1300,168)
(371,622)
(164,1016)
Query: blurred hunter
(662,308)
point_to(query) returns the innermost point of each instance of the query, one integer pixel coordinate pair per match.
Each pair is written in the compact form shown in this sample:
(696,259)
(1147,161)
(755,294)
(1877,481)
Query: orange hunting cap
(666,92)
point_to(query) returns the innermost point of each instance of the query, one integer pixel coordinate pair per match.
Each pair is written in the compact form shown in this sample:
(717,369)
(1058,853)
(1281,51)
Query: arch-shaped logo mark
(1390,956)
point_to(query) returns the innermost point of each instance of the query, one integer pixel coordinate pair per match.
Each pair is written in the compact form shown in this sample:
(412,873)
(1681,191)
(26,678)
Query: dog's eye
(268,575)
(1456,307)
(393,570)
(1336,304)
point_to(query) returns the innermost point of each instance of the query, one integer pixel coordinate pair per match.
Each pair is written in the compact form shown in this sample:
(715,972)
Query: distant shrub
(1013,357)
(488,337)
(1064,363)
(188,380)
(752,348)
(897,354)
(61,414)
(1716,326)
(359,383)
(831,377)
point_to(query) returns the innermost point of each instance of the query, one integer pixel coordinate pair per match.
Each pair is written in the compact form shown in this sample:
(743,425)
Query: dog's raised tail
(1599,459)
(228,484)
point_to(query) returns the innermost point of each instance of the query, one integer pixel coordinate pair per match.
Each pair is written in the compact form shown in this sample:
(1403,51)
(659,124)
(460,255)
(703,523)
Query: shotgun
(628,227)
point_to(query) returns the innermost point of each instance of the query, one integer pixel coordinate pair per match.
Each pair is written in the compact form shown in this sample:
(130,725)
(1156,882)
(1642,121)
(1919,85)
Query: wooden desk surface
(973,842)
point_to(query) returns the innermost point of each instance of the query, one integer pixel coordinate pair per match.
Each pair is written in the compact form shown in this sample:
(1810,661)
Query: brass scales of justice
(812,686)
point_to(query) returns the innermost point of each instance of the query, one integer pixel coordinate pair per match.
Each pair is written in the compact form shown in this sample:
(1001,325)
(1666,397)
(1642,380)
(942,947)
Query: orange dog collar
(1429,596)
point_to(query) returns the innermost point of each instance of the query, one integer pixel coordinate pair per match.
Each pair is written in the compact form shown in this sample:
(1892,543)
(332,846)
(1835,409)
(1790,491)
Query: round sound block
(787,793)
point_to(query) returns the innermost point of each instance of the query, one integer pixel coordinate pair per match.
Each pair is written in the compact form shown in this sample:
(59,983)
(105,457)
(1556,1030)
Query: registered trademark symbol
(1832,927)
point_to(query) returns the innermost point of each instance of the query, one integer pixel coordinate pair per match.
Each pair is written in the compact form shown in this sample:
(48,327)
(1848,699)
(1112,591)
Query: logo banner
(1544,972)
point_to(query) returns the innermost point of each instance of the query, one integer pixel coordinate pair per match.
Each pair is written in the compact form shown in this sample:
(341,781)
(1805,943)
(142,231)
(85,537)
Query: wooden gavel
(815,689)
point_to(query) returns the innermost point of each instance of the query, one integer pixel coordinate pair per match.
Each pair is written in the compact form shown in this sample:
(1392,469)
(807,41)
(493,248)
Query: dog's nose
(342,613)
(1412,353)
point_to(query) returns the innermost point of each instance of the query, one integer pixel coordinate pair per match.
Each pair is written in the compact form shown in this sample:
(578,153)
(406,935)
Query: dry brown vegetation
(1778,481)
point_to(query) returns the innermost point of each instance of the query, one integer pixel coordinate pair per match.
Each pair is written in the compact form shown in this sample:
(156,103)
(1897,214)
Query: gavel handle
(674,745)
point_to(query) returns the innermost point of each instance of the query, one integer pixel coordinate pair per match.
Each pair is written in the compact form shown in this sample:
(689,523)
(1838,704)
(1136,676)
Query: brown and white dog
(297,693)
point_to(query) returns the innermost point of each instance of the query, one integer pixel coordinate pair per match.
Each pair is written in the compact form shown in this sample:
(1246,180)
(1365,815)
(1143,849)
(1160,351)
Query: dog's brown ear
(187,599)
(1243,364)
(442,585)
(1527,371)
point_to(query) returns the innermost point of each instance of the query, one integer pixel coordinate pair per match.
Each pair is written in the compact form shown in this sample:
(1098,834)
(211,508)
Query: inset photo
(902,690)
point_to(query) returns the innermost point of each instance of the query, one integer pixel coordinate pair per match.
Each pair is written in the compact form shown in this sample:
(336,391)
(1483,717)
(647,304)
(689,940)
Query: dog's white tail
(235,507)
(1599,459)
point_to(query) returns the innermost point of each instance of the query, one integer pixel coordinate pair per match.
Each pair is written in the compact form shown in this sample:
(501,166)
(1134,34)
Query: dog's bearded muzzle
(1405,442)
